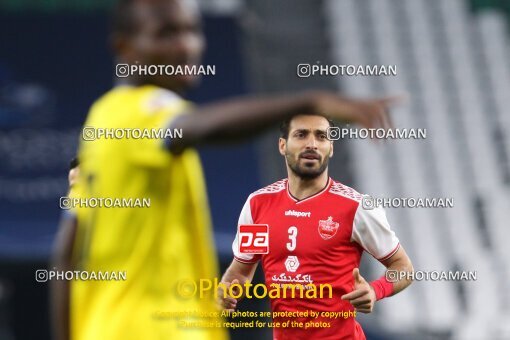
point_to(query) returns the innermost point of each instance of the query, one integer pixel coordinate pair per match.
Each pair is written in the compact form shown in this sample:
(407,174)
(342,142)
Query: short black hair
(73,163)
(285,125)
(123,18)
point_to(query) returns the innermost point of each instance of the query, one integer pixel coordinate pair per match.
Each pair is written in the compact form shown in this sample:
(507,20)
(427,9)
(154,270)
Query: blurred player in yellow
(170,241)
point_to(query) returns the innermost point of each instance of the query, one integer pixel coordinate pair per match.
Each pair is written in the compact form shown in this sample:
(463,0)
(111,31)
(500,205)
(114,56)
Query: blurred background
(453,60)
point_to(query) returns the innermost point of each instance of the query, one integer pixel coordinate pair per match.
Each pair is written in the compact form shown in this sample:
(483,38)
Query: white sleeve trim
(371,230)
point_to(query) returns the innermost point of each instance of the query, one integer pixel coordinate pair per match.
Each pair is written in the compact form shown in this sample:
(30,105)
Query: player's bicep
(371,230)
(64,241)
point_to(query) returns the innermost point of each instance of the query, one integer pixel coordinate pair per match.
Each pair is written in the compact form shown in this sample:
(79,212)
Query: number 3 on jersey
(291,245)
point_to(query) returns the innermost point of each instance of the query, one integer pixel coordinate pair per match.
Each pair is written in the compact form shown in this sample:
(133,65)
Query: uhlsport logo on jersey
(298,213)
(253,239)
(328,228)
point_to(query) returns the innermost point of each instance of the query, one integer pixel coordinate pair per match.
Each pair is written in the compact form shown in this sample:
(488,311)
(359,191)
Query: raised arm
(242,117)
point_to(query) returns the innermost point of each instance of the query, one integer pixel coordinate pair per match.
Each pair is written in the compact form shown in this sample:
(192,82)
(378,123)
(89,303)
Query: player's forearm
(239,118)
(60,305)
(239,271)
(59,289)
(400,265)
(391,283)
(236,274)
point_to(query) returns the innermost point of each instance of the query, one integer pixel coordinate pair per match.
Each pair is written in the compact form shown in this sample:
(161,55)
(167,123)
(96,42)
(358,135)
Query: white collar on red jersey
(328,185)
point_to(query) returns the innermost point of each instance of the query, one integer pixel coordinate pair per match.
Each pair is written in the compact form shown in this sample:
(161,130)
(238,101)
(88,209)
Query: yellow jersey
(162,248)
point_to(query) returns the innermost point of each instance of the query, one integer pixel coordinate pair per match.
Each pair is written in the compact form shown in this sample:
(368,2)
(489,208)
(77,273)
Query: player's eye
(195,28)
(168,31)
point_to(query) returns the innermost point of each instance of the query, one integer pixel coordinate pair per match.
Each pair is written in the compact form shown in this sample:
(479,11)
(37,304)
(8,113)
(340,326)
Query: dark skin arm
(59,289)
(242,117)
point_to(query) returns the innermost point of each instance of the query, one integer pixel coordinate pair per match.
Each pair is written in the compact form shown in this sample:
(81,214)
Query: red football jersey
(316,240)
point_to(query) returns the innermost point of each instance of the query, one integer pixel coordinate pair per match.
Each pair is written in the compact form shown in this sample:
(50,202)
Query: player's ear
(120,45)
(331,151)
(281,146)
(115,43)
(73,176)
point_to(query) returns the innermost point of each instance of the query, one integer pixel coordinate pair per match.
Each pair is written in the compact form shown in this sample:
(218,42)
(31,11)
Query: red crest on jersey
(328,228)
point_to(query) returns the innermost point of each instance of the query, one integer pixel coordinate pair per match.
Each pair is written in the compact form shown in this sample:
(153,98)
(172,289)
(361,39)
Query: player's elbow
(409,269)
(411,273)
(193,132)
(59,255)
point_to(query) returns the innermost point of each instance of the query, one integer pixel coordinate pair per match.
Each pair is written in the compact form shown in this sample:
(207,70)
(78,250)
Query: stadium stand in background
(455,66)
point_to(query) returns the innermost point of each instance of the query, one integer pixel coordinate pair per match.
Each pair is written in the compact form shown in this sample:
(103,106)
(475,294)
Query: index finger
(390,101)
(386,120)
(354,294)
(386,104)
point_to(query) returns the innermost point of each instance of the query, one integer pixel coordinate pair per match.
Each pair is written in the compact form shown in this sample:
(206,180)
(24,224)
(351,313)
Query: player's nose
(311,143)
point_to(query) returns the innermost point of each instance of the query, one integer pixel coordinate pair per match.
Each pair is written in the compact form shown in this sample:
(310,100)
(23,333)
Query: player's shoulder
(155,99)
(343,190)
(270,191)
(148,99)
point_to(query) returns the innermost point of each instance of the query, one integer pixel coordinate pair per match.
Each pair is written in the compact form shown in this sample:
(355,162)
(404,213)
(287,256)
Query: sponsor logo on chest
(253,239)
(328,228)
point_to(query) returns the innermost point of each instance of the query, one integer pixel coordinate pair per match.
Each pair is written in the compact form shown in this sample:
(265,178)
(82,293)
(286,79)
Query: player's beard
(303,171)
